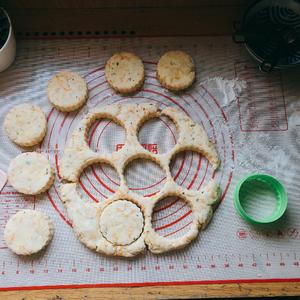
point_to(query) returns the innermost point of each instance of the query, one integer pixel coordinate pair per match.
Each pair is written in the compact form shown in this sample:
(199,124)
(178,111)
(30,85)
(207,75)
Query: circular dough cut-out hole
(144,177)
(151,133)
(106,136)
(172,217)
(121,222)
(98,182)
(190,169)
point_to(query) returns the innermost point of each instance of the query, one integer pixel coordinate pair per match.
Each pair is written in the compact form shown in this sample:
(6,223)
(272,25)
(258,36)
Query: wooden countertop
(161,292)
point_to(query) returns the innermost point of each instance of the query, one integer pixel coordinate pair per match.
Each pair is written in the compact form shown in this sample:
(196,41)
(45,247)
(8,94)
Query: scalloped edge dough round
(85,215)
(121,222)
(25,125)
(30,173)
(176,70)
(124,72)
(67,91)
(28,231)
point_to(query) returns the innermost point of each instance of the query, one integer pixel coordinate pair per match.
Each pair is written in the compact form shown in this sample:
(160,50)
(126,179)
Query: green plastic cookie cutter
(269,183)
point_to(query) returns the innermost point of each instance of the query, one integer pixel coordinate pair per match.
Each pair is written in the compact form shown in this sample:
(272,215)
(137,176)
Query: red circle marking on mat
(76,116)
(49,115)
(230,176)
(110,121)
(210,122)
(88,193)
(118,100)
(231,142)
(94,71)
(88,82)
(196,174)
(225,118)
(174,212)
(224,148)
(58,211)
(144,188)
(172,100)
(102,169)
(97,85)
(188,171)
(101,182)
(159,102)
(174,222)
(51,131)
(188,114)
(177,230)
(48,192)
(103,195)
(68,130)
(174,138)
(159,86)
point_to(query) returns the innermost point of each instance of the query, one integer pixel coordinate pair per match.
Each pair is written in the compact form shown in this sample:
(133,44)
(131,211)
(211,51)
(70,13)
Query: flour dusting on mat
(228,89)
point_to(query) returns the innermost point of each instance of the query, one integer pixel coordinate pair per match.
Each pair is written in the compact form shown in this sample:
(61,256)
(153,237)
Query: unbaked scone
(125,72)
(176,70)
(25,125)
(30,173)
(67,91)
(121,222)
(28,232)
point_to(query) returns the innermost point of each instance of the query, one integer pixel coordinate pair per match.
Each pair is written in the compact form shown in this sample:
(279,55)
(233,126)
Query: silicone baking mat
(258,131)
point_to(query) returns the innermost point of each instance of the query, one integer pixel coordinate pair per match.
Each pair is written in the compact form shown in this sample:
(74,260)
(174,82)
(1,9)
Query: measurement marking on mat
(212,262)
(262,105)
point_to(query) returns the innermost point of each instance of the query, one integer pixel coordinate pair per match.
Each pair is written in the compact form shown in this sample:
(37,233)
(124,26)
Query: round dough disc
(176,70)
(30,173)
(67,91)
(25,124)
(125,72)
(121,222)
(28,232)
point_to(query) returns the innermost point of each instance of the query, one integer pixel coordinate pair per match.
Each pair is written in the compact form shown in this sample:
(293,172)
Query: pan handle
(238,36)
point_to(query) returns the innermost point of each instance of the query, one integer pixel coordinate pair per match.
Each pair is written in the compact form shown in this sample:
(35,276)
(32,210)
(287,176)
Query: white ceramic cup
(8,51)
